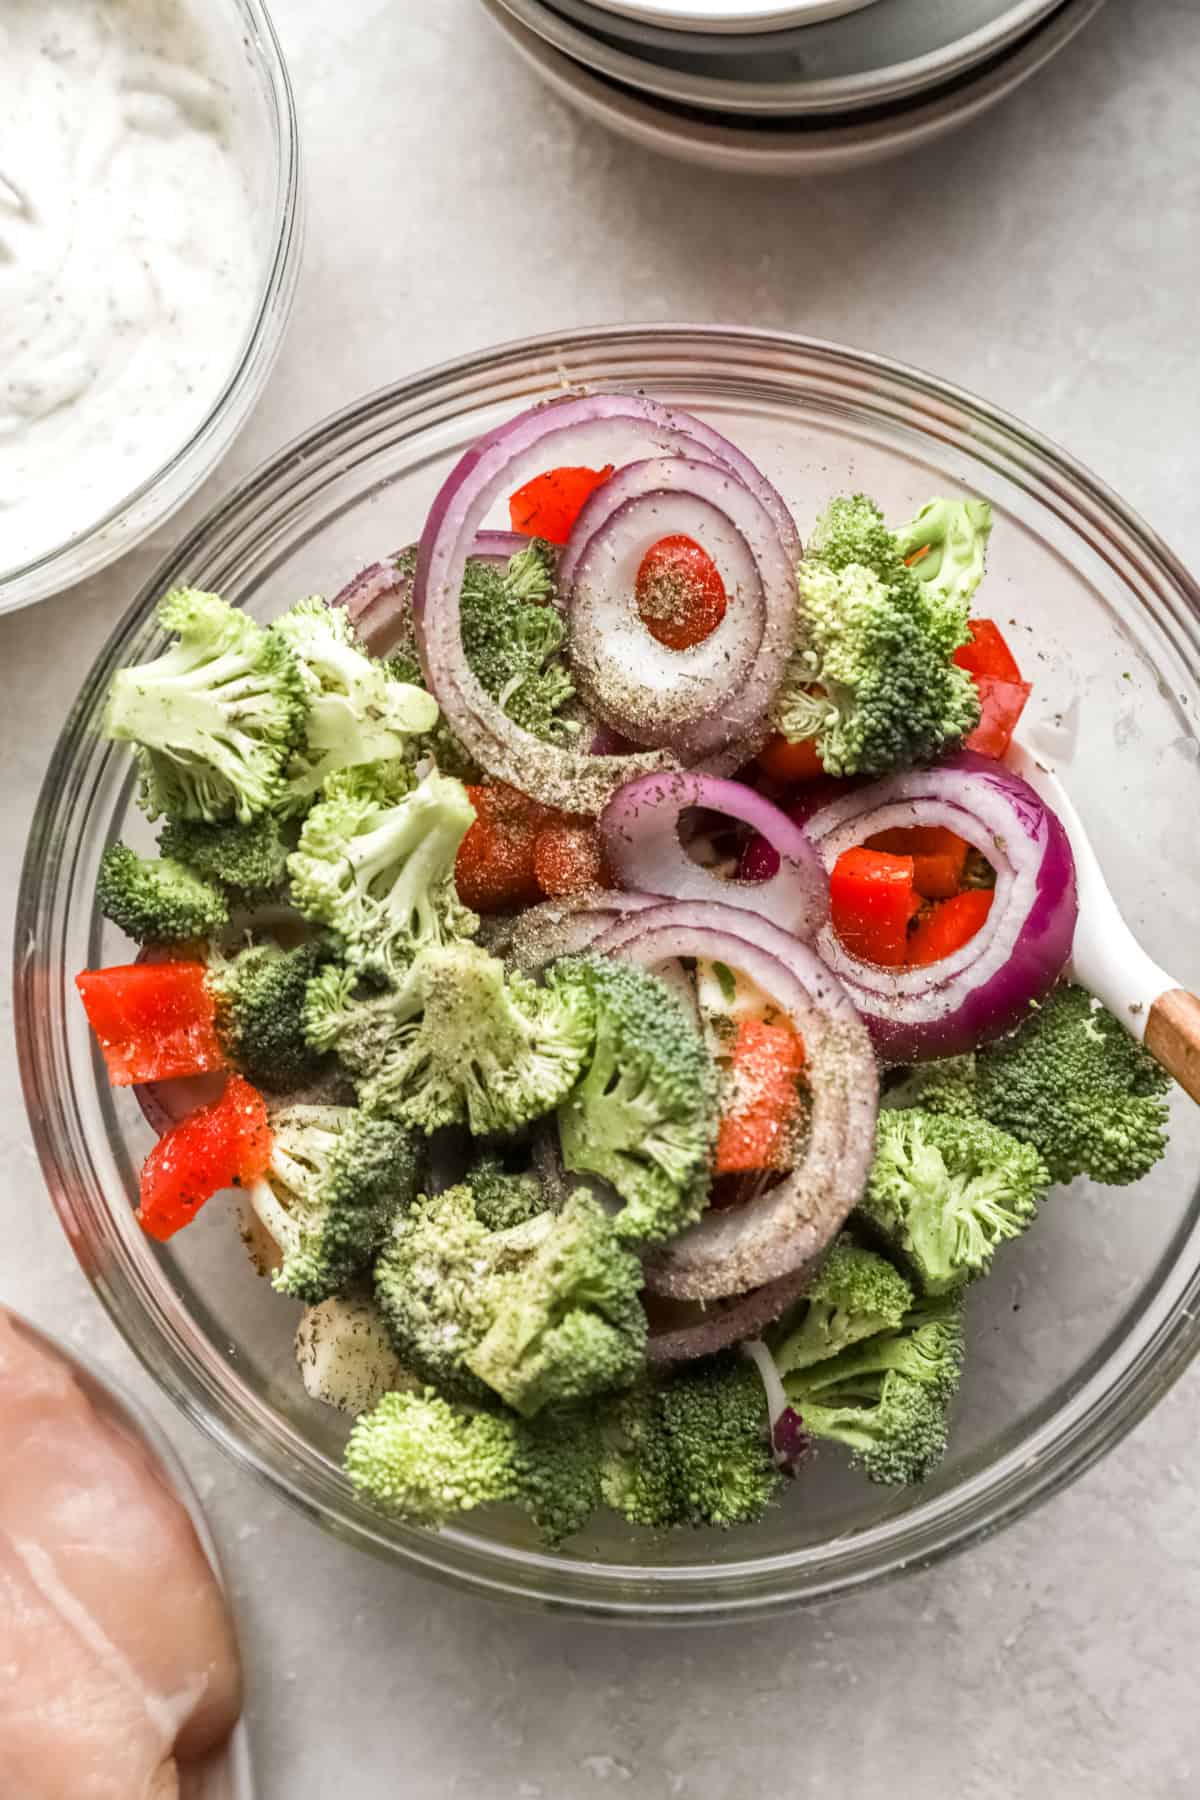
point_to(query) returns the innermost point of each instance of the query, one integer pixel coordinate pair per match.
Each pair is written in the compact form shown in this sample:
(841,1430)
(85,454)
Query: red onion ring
(699,700)
(166,1103)
(702,1329)
(569,926)
(640,831)
(984,989)
(577,431)
(786,1228)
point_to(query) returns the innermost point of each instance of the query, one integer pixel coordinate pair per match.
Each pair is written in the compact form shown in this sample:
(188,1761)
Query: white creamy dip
(128,265)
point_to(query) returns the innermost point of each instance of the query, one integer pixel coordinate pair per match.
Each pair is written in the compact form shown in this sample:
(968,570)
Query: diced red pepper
(871,902)
(495,869)
(988,652)
(948,925)
(1001,705)
(679,592)
(568,858)
(1002,693)
(153,1020)
(224,1144)
(790,763)
(939,856)
(764,1099)
(548,506)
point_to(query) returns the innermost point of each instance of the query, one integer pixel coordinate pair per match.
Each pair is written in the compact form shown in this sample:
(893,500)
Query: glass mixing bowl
(250,62)
(1085,1321)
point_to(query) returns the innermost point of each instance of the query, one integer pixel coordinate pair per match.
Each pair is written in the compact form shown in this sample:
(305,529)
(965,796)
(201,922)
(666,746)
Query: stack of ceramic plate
(787,86)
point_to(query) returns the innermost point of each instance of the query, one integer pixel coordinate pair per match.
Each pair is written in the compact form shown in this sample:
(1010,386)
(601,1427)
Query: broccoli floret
(898,1437)
(945,1087)
(1069,1081)
(556,1467)
(872,678)
(638,1474)
(644,1117)
(439,746)
(693,1450)
(887,1399)
(335,1183)
(213,719)
(503,1197)
(945,545)
(431,1284)
(157,900)
(856,1294)
(358,713)
(715,1419)
(532,574)
(569,1323)
(512,641)
(260,995)
(382,875)
(927,1346)
(946,1191)
(460,1042)
(543,1312)
(1078,1088)
(249,860)
(424,1460)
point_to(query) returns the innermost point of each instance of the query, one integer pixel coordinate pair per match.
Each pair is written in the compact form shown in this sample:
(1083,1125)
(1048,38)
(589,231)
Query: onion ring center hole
(711,840)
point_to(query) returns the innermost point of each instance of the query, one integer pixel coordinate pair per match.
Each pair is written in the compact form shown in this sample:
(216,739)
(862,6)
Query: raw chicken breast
(117,1654)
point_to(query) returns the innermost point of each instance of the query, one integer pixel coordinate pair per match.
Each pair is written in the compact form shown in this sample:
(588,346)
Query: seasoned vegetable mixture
(617,969)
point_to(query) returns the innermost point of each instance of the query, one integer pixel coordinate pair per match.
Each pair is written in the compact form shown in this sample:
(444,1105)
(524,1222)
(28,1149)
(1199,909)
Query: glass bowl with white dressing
(150,233)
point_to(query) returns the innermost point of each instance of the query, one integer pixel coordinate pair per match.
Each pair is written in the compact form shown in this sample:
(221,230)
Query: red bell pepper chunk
(1002,693)
(568,858)
(1001,705)
(948,925)
(756,1132)
(153,1020)
(224,1144)
(871,902)
(987,653)
(939,856)
(790,763)
(494,870)
(548,506)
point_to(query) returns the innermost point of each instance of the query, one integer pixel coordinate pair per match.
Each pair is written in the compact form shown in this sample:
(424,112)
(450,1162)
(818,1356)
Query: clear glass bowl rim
(1122,1384)
(166,488)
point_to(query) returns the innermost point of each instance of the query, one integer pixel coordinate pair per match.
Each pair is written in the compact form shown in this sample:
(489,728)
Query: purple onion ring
(982,990)
(640,831)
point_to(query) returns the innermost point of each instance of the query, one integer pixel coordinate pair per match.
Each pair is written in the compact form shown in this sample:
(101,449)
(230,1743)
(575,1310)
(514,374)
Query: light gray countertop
(1048,258)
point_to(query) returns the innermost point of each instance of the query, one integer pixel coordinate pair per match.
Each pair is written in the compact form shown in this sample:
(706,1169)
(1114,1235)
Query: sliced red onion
(570,431)
(379,602)
(1023,946)
(570,925)
(497,546)
(783,1230)
(718,692)
(790,1443)
(682,1330)
(640,831)
(166,1103)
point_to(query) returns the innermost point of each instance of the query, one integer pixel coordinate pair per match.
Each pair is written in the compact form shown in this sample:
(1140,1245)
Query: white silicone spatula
(1108,960)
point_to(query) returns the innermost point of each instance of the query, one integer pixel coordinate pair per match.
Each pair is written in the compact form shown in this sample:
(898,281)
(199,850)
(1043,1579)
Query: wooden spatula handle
(1173,1037)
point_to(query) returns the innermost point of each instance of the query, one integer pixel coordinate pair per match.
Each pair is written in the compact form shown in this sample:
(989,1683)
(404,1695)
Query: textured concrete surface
(1048,259)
